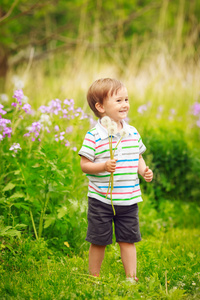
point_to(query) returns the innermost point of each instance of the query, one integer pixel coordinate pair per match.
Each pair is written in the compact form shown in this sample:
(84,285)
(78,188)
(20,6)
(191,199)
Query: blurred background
(63,46)
(51,52)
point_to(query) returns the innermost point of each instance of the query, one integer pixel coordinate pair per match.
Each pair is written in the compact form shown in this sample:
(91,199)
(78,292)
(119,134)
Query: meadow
(43,203)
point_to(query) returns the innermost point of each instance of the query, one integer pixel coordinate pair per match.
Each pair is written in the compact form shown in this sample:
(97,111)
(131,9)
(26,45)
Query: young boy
(109,97)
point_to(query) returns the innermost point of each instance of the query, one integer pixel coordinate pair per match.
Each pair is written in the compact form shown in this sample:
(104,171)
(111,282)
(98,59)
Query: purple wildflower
(3,112)
(198,122)
(196,109)
(67,143)
(35,129)
(56,128)
(142,108)
(8,131)
(27,108)
(44,109)
(74,149)
(69,129)
(19,95)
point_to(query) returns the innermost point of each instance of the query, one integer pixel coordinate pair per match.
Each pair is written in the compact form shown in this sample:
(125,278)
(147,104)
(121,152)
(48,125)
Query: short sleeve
(88,148)
(142,147)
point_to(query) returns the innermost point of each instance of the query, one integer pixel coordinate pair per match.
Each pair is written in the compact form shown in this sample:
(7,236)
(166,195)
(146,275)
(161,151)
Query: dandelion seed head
(106,121)
(112,129)
(123,133)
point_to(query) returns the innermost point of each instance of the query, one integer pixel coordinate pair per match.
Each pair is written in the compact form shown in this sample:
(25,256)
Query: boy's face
(116,106)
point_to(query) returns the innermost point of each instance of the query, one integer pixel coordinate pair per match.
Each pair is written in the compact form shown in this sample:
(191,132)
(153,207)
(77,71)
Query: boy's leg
(129,260)
(96,256)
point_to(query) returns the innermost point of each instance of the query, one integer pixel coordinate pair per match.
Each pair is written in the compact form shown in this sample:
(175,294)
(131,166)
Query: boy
(109,97)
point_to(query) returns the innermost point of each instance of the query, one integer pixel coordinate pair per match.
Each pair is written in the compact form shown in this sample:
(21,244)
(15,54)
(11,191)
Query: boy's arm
(90,167)
(144,171)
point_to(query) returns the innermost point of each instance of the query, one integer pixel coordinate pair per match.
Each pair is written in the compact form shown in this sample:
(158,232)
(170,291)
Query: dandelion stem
(117,146)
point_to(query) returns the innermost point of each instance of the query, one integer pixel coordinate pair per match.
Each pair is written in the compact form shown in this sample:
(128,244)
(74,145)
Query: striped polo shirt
(126,189)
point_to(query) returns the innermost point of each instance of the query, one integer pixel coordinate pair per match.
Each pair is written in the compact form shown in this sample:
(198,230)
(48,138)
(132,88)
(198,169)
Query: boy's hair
(100,90)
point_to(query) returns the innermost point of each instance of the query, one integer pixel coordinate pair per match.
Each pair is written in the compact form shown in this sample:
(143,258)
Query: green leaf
(9,187)
(49,220)
(22,205)
(62,212)
(20,226)
(17,172)
(17,195)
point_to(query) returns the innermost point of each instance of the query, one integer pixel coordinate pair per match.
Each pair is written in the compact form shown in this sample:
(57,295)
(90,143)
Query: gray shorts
(100,217)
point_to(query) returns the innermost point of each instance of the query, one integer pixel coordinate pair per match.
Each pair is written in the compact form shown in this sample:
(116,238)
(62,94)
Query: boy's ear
(99,107)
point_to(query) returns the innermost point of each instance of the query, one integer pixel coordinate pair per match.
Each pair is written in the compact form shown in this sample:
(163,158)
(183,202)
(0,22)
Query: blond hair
(100,90)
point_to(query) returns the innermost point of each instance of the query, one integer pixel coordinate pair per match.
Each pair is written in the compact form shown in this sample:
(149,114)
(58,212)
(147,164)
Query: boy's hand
(110,165)
(148,174)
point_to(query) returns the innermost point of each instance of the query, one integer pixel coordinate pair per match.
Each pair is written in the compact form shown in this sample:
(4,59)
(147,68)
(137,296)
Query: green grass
(168,265)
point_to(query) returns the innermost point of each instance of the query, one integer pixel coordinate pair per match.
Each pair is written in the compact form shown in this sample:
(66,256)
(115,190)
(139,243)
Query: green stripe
(92,129)
(139,140)
(109,174)
(104,151)
(130,147)
(98,175)
(114,199)
(89,147)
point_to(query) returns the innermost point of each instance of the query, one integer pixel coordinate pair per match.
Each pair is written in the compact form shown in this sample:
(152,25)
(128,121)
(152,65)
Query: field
(43,204)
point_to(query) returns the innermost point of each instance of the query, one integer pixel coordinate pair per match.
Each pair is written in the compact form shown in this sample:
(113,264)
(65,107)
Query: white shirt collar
(102,131)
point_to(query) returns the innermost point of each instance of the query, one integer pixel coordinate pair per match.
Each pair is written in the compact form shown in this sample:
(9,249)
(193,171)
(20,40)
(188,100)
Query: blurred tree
(51,26)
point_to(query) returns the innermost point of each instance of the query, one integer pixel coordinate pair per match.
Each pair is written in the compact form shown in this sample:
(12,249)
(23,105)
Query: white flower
(4,97)
(18,83)
(112,129)
(45,119)
(15,147)
(123,133)
(106,121)
(1,137)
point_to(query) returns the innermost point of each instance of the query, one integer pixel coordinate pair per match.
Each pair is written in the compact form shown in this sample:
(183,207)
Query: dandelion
(106,121)
(111,127)
(123,133)
(15,147)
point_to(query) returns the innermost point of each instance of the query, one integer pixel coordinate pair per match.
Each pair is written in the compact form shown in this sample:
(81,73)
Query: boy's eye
(126,100)
(118,100)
